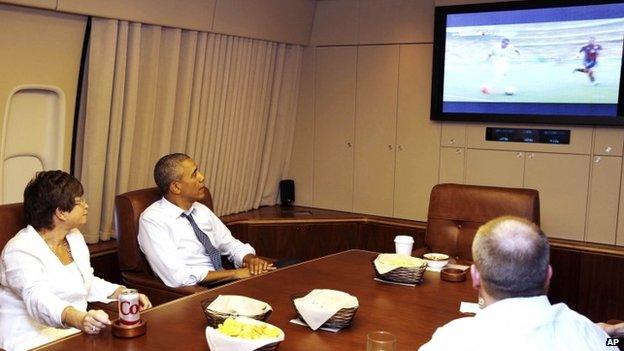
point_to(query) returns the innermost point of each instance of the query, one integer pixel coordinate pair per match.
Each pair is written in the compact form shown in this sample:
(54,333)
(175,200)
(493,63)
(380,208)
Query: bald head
(511,255)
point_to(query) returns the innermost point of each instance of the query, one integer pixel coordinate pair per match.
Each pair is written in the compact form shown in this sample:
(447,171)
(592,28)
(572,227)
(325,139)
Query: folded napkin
(217,341)
(384,263)
(238,305)
(321,304)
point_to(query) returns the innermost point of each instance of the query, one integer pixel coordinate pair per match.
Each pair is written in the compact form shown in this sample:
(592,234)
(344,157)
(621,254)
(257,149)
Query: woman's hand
(90,322)
(94,321)
(144,302)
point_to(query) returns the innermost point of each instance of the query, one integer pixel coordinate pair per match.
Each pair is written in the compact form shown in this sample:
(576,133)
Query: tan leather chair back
(11,221)
(128,209)
(456,211)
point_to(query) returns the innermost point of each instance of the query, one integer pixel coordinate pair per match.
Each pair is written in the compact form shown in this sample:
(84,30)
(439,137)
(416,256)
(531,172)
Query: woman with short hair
(46,276)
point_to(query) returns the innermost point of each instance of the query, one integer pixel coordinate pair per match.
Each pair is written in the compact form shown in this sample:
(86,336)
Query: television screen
(529,61)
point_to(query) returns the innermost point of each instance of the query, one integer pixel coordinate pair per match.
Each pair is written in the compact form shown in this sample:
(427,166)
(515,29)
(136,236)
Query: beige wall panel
(603,199)
(41,47)
(334,107)
(42,4)
(453,134)
(301,168)
(335,22)
(418,153)
(287,21)
(375,129)
(494,168)
(608,141)
(396,21)
(452,164)
(562,182)
(580,139)
(188,14)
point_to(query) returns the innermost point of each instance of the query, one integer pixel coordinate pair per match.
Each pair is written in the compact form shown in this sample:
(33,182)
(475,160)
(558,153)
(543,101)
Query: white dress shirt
(525,323)
(35,288)
(172,249)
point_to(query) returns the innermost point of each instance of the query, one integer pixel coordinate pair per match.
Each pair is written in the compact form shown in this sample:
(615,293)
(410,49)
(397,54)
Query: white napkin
(218,341)
(321,304)
(384,263)
(238,305)
(469,307)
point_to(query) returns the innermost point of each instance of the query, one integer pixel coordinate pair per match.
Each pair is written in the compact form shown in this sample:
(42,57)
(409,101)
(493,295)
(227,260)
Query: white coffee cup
(403,244)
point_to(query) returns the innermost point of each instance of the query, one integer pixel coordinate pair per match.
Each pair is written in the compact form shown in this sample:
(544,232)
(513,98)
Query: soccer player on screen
(590,59)
(500,56)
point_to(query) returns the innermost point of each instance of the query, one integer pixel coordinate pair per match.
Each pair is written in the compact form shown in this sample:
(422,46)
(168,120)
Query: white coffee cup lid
(403,239)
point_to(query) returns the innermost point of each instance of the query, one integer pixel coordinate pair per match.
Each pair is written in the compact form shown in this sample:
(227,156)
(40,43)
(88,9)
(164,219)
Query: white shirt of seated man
(516,323)
(170,244)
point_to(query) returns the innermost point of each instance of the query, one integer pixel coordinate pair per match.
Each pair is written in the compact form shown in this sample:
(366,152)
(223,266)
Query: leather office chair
(135,270)
(11,221)
(456,211)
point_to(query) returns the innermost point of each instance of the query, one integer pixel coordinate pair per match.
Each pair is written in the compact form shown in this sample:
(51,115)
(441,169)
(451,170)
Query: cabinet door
(326,239)
(334,127)
(562,181)
(375,129)
(452,165)
(279,241)
(608,141)
(453,134)
(418,152)
(604,195)
(494,168)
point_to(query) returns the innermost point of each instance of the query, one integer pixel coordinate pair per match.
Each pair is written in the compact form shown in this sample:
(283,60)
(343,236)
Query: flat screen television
(546,61)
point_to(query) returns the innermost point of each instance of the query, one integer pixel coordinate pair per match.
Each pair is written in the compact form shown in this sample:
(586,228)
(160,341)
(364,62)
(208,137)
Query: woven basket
(341,319)
(406,275)
(214,318)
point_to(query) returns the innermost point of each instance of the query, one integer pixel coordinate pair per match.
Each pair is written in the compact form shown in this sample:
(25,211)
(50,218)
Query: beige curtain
(228,102)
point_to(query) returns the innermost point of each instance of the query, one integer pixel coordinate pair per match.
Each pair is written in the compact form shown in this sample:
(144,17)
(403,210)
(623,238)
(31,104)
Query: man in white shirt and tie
(182,239)
(511,271)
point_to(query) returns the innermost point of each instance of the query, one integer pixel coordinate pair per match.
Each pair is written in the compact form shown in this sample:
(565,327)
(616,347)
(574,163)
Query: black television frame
(439,46)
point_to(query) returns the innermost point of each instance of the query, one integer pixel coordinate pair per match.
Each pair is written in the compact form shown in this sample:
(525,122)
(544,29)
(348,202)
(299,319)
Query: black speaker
(287,192)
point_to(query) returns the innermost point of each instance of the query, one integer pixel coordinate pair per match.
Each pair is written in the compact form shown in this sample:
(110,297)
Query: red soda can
(129,307)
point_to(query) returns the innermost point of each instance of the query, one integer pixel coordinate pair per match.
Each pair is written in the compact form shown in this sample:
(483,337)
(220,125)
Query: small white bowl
(436,260)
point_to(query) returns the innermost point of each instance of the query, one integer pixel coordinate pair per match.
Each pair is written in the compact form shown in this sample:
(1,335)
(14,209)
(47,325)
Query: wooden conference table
(410,313)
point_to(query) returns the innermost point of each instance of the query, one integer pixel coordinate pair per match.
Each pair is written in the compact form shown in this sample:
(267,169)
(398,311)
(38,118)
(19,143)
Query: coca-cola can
(129,307)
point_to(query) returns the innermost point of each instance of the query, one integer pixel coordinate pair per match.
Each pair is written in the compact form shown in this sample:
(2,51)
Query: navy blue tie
(211,251)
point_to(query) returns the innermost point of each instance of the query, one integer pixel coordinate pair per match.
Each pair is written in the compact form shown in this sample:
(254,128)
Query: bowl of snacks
(436,260)
(242,333)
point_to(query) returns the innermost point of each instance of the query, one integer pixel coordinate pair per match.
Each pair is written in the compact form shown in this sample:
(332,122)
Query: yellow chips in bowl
(400,260)
(237,329)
